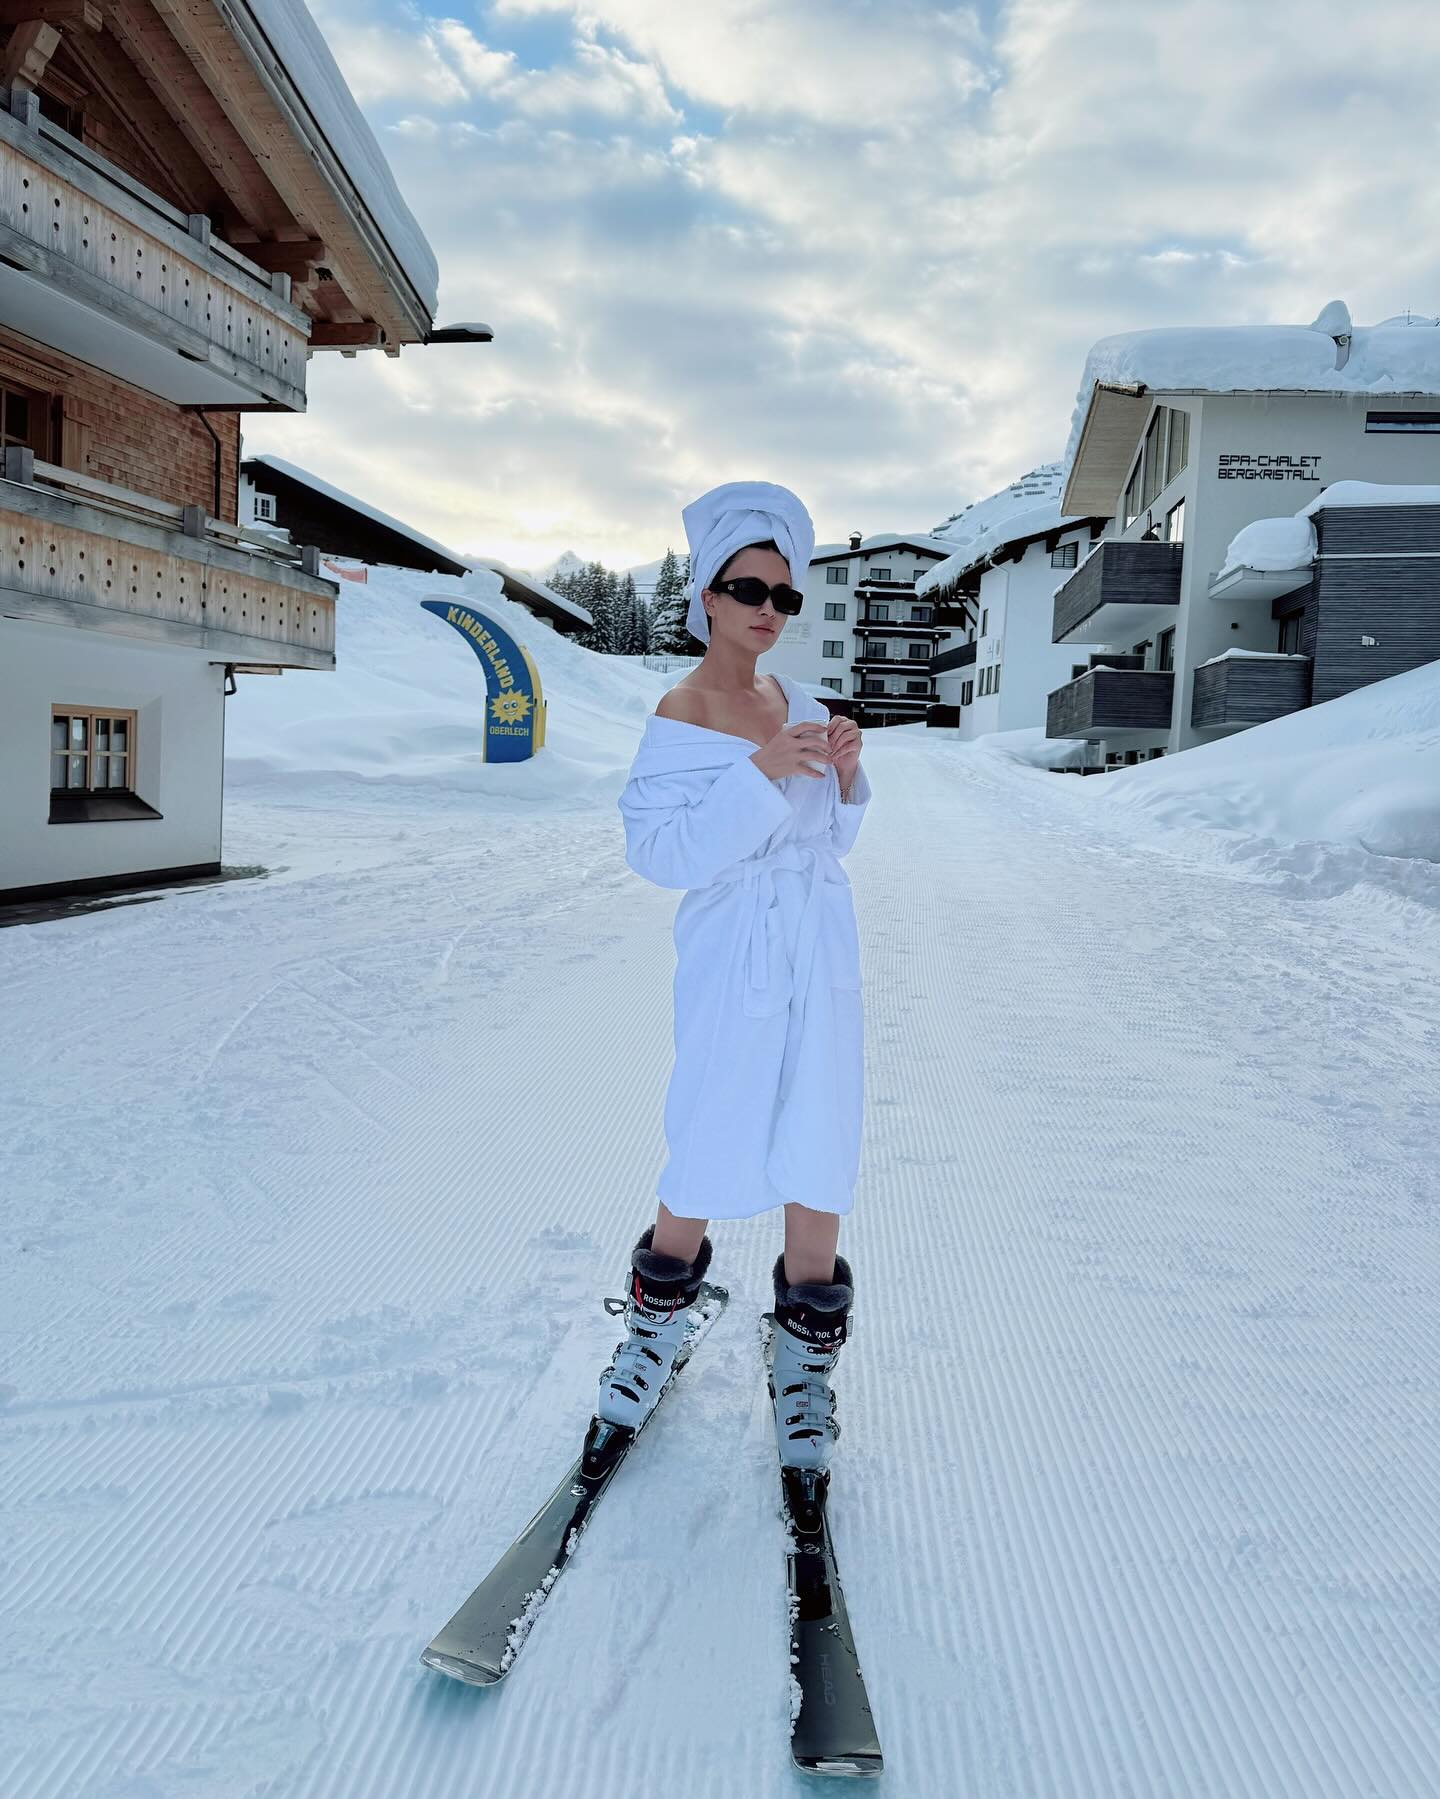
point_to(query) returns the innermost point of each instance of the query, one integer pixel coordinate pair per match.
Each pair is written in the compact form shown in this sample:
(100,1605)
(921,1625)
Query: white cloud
(859,249)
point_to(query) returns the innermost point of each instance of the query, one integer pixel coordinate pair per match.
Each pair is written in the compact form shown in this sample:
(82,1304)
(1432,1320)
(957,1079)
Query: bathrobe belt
(817,861)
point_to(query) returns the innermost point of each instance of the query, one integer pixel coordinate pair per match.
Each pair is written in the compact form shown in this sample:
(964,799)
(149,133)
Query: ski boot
(657,1312)
(810,1322)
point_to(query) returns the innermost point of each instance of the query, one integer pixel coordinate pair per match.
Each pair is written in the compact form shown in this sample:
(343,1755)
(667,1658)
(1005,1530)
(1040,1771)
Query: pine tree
(668,635)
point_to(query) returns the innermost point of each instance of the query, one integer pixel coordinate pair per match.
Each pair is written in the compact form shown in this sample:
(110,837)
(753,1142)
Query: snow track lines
(1135,1487)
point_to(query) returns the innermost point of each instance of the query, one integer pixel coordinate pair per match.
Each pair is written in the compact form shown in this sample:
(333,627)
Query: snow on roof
(1398,356)
(881,540)
(298,44)
(1272,545)
(1276,545)
(1372,493)
(1029,507)
(518,577)
(528,583)
(339,495)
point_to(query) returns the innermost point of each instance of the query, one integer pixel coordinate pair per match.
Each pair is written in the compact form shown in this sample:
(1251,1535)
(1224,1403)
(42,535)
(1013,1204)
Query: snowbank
(1361,771)
(405,702)
(1033,749)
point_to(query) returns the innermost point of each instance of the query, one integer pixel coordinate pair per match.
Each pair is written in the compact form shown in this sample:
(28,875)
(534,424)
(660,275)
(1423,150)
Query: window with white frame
(265,508)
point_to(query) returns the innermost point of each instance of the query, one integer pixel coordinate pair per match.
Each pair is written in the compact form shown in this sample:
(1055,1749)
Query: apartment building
(1181,439)
(1001,579)
(190,207)
(863,634)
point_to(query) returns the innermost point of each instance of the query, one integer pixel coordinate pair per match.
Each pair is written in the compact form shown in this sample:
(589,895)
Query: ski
(832,1730)
(479,1644)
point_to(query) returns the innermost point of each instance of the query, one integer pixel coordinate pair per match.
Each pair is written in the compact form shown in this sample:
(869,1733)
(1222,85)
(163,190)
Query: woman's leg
(677,1236)
(810,1239)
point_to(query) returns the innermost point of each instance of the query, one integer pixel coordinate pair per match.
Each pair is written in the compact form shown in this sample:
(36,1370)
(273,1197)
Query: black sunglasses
(750,590)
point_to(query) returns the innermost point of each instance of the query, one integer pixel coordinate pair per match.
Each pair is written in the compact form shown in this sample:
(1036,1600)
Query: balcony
(76,551)
(961,656)
(1111,702)
(928,698)
(874,623)
(1119,589)
(907,664)
(1236,691)
(94,264)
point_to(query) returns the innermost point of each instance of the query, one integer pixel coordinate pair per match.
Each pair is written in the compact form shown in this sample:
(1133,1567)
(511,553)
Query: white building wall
(1332,428)
(800,651)
(1219,503)
(178,698)
(1016,602)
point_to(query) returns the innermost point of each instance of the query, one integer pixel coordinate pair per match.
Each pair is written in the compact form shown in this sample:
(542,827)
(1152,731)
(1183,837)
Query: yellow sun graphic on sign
(510,708)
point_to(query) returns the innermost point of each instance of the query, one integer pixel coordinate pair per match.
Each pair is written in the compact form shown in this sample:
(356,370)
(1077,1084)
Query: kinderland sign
(1269,468)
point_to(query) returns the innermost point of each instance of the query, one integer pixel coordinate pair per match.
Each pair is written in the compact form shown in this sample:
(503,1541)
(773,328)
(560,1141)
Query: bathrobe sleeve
(677,840)
(845,826)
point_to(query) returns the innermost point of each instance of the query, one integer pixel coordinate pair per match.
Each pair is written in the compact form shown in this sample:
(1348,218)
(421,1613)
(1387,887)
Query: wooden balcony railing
(89,258)
(79,551)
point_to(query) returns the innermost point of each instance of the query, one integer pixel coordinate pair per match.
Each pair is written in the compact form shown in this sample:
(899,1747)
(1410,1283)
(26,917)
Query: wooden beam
(27,54)
(171,77)
(78,15)
(81,15)
(157,143)
(255,97)
(297,260)
(326,336)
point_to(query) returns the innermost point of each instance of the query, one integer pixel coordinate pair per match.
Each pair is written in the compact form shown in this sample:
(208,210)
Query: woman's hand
(844,736)
(794,750)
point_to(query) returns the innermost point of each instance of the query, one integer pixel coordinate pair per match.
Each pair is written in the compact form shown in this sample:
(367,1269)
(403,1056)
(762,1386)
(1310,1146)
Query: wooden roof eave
(1108,438)
(235,60)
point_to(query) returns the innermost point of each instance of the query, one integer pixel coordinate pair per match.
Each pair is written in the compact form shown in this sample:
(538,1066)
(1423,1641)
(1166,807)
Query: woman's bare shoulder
(681,704)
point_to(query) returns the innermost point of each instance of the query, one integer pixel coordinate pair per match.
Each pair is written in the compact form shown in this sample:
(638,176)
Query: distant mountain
(645,573)
(566,564)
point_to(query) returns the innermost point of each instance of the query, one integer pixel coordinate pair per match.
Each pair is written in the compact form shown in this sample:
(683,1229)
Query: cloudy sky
(859,247)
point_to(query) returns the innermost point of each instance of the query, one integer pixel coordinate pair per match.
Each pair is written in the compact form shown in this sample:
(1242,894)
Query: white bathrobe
(766,1097)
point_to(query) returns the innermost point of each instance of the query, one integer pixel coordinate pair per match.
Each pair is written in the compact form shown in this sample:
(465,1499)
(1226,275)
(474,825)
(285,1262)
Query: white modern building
(1011,549)
(1183,437)
(863,634)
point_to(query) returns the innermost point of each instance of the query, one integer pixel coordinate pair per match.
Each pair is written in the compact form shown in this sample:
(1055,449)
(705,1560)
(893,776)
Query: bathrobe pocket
(769,980)
(842,946)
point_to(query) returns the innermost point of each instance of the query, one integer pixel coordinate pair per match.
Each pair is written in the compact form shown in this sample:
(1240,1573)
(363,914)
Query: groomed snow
(314,1183)
(1397,357)
(298,43)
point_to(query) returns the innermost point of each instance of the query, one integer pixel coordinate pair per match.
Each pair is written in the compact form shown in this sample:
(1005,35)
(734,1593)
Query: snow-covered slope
(404,703)
(313,1185)
(1361,771)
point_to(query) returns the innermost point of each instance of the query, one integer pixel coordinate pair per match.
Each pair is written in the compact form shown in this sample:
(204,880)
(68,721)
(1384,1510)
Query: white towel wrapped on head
(729,518)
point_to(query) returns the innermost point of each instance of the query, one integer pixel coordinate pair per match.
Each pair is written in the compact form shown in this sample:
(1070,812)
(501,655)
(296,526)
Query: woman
(746,793)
